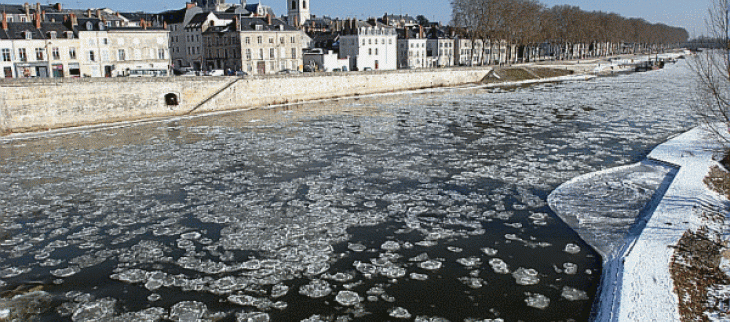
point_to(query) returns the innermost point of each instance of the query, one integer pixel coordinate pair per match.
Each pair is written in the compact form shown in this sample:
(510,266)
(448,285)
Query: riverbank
(637,284)
(37,105)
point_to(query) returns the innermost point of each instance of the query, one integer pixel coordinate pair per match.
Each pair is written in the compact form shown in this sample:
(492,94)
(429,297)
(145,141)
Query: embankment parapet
(29,105)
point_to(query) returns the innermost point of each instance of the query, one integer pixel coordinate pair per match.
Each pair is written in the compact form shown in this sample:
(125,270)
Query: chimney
(268,19)
(236,24)
(385,18)
(5,21)
(164,25)
(37,17)
(98,13)
(43,16)
(420,32)
(190,5)
(26,7)
(88,12)
(38,7)
(143,24)
(58,7)
(74,20)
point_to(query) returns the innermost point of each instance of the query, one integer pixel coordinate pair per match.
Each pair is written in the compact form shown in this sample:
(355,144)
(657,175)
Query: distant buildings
(38,41)
(50,41)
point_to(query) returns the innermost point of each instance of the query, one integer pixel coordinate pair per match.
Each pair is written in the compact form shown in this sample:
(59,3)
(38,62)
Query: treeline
(529,22)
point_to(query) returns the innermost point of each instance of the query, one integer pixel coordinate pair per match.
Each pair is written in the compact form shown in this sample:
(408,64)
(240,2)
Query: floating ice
(537,301)
(65,272)
(348,298)
(316,288)
(499,266)
(188,311)
(252,317)
(399,313)
(94,311)
(572,294)
(572,249)
(430,265)
(390,245)
(570,268)
(489,251)
(526,276)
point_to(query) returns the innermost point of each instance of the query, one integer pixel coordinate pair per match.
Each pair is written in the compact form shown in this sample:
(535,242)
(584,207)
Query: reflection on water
(422,206)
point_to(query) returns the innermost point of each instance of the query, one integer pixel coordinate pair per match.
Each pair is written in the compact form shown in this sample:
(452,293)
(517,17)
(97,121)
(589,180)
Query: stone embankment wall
(39,104)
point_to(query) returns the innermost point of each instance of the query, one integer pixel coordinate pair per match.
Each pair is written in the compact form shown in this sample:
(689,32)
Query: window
(39,54)
(248,54)
(261,53)
(376,51)
(52,34)
(160,53)
(6,54)
(56,53)
(271,40)
(22,55)
(293,40)
(304,4)
(272,55)
(370,51)
(260,39)
(105,41)
(28,35)
(122,55)
(281,40)
(72,53)
(91,56)
(293,53)
(248,40)
(294,4)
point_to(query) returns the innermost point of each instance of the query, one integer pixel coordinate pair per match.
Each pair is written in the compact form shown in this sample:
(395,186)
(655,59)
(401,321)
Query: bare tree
(712,68)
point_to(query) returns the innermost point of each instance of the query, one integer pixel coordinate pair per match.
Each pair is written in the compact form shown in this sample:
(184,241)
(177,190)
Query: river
(426,206)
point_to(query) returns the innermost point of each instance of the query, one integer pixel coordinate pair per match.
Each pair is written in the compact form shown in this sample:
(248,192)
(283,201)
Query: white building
(370,45)
(298,12)
(412,50)
(317,60)
(440,52)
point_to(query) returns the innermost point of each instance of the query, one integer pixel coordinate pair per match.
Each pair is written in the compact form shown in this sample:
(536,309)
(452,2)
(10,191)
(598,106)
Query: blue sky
(688,14)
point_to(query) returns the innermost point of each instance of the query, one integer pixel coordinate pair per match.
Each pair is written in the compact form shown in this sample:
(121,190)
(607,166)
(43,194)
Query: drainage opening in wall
(171,99)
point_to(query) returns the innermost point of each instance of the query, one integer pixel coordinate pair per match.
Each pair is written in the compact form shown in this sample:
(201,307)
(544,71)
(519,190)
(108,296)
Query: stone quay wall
(40,104)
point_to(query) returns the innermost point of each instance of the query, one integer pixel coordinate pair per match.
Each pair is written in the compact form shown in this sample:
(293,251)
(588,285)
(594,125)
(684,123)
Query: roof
(173,16)
(16,30)
(250,23)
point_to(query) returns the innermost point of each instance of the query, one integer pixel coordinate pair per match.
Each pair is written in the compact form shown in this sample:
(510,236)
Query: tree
(712,69)
(422,20)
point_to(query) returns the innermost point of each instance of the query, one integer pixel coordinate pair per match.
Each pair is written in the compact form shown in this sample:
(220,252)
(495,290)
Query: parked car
(288,71)
(216,72)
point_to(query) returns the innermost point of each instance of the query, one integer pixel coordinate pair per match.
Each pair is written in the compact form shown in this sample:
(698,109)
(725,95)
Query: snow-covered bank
(636,283)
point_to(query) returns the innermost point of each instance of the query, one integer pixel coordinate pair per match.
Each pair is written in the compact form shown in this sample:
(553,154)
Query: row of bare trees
(528,23)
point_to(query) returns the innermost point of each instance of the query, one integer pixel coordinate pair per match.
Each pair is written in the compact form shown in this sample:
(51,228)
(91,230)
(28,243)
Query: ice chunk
(572,294)
(252,317)
(188,311)
(348,298)
(526,276)
(316,289)
(399,313)
(431,265)
(499,266)
(537,301)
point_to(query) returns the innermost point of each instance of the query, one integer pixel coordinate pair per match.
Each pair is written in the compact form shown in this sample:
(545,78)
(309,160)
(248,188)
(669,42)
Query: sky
(688,14)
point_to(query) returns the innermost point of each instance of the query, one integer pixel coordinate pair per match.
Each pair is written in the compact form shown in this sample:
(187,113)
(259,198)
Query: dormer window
(101,25)
(28,35)
(259,27)
(89,25)
(52,35)
(69,35)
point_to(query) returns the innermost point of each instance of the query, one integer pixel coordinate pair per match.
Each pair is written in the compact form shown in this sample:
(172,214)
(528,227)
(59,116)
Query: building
(256,45)
(412,48)
(370,45)
(317,60)
(297,12)
(464,52)
(38,49)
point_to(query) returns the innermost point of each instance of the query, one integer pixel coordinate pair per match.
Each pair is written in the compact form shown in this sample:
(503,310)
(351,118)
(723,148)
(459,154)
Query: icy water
(410,207)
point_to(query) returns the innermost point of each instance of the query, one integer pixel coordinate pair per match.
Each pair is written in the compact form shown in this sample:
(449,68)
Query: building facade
(370,45)
(256,45)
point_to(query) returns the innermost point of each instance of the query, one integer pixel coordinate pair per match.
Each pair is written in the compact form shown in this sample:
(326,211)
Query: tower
(298,11)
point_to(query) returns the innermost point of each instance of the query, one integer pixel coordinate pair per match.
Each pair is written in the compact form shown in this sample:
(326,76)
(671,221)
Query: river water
(425,206)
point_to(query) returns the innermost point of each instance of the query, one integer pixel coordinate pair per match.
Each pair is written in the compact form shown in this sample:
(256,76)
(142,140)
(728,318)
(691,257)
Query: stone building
(371,45)
(38,49)
(256,45)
